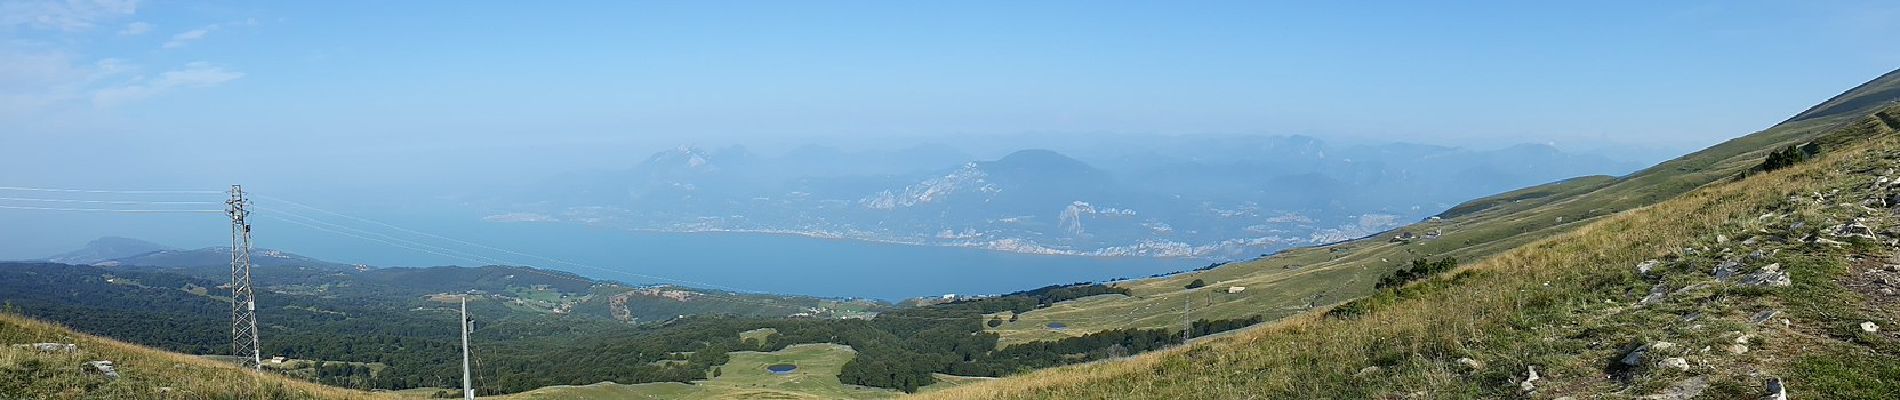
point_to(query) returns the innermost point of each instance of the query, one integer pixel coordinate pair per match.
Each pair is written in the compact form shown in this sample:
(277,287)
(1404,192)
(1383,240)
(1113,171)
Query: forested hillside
(395,328)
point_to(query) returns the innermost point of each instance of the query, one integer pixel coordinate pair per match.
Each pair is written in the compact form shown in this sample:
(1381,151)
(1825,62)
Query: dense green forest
(387,318)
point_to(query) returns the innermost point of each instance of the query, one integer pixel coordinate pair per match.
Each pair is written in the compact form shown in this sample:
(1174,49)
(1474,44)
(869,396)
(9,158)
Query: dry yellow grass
(146,373)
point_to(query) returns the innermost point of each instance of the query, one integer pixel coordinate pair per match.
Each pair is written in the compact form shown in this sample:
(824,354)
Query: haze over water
(772,263)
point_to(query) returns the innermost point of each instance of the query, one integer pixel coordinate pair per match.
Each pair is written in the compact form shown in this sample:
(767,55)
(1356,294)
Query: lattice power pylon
(244,343)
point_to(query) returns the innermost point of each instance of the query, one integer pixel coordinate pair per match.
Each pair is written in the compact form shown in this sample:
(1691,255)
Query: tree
(1196,284)
(995,322)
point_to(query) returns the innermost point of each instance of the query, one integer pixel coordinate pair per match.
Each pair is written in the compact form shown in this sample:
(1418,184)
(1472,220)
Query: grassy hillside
(1573,306)
(1295,281)
(144,373)
(743,377)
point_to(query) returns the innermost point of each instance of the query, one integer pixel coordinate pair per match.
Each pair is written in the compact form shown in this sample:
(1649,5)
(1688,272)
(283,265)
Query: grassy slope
(29,374)
(744,377)
(1567,304)
(1290,283)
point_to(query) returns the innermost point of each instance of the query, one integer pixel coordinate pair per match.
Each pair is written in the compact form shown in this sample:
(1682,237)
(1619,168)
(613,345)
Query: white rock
(1675,363)
(104,367)
(1646,266)
(1869,327)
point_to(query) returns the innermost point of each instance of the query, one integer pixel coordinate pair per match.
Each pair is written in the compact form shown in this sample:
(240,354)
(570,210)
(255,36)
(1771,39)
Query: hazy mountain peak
(1037,160)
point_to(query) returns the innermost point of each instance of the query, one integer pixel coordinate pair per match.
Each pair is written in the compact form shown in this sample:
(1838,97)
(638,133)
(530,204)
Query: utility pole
(244,342)
(468,384)
(1187,325)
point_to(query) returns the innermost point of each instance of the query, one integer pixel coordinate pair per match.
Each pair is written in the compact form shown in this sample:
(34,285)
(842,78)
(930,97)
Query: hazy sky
(123,92)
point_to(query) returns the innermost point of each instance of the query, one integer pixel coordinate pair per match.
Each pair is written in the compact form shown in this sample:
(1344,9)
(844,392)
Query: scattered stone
(1370,370)
(1776,390)
(1769,279)
(1852,230)
(1869,327)
(1532,377)
(1662,347)
(1763,316)
(1471,364)
(1677,363)
(1757,255)
(50,347)
(1738,348)
(1720,238)
(1726,269)
(1770,275)
(165,389)
(104,367)
(1687,289)
(1656,294)
(1646,266)
(1691,317)
(1635,357)
(1744,339)
(1684,390)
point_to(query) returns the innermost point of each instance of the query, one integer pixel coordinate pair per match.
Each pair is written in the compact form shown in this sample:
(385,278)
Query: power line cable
(117,202)
(321,228)
(502,250)
(109,210)
(40,189)
(461,255)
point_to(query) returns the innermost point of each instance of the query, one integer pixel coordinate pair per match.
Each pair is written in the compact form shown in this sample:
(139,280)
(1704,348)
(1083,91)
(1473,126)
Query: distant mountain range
(1187,196)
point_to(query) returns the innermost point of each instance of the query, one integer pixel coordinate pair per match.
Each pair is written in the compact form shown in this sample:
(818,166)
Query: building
(1236,289)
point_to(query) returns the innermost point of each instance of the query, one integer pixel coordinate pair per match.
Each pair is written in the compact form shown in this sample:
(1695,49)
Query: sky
(129,93)
(385,81)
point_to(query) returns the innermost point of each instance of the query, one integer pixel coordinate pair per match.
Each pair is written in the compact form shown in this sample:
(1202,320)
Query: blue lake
(784,264)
